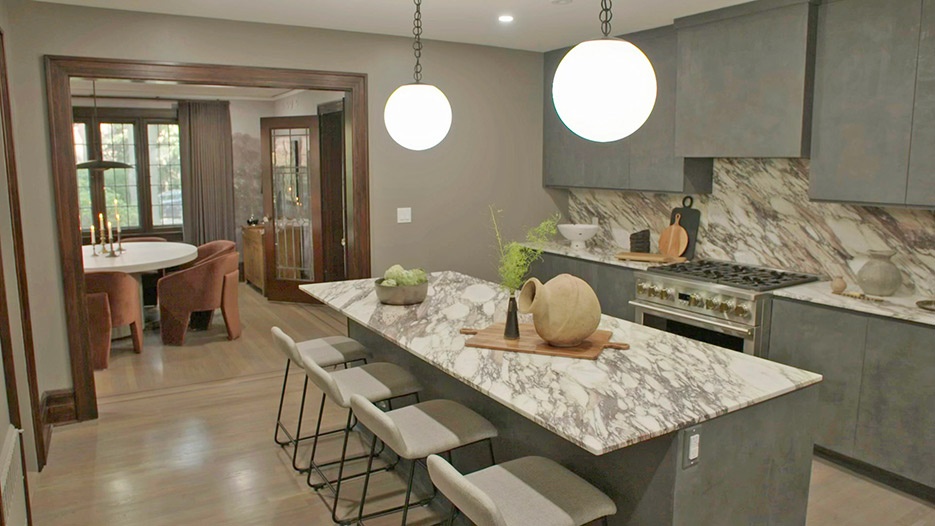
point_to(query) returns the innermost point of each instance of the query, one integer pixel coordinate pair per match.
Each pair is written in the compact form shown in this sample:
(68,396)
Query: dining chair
(524,491)
(122,307)
(207,286)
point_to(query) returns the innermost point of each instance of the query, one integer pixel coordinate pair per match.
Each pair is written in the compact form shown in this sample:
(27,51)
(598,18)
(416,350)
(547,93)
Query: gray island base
(624,422)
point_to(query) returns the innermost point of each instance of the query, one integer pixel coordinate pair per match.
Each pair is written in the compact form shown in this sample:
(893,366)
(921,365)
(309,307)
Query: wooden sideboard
(254,262)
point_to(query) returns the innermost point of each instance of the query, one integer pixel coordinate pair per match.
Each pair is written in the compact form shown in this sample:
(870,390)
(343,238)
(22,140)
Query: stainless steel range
(719,302)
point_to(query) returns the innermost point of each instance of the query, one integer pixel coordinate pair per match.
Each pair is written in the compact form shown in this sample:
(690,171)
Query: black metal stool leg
(337,491)
(363,495)
(412,472)
(298,426)
(282,398)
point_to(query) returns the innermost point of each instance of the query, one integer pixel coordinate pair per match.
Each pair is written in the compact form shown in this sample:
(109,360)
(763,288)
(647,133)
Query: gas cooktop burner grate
(735,275)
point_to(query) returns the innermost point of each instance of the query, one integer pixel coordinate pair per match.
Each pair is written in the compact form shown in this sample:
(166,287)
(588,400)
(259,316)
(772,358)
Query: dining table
(135,260)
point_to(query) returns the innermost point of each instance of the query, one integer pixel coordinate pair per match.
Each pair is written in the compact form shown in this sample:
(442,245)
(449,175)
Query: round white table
(140,257)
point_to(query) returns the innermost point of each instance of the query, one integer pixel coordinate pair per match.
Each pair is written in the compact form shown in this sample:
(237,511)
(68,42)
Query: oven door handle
(725,327)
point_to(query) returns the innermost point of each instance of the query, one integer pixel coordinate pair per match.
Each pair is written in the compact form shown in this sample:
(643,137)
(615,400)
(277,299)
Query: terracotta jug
(565,310)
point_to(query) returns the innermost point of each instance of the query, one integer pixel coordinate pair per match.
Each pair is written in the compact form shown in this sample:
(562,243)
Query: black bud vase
(511,330)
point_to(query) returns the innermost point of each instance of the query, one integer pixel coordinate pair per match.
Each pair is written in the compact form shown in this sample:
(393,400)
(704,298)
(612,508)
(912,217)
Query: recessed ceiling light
(561,2)
(506,19)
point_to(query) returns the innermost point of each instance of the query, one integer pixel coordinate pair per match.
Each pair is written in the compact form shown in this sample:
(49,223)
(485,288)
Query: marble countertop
(663,383)
(590,253)
(902,307)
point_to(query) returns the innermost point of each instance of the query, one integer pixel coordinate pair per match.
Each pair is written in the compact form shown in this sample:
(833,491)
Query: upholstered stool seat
(329,351)
(373,381)
(414,432)
(529,490)
(332,350)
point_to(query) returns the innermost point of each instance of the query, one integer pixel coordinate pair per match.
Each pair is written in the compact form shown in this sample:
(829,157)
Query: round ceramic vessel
(879,276)
(401,295)
(565,310)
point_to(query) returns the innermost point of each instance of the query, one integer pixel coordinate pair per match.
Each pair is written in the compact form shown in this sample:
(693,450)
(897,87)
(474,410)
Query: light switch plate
(404,215)
(691,446)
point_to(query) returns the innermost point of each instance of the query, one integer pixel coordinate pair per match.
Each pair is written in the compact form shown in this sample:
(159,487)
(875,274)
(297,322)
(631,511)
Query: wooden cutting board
(530,342)
(649,258)
(674,239)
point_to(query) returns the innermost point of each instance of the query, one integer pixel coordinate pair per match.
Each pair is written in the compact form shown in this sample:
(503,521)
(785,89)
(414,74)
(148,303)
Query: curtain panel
(207,171)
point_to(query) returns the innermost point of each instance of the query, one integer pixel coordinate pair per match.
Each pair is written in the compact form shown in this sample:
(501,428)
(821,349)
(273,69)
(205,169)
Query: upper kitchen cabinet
(874,115)
(921,186)
(744,80)
(644,161)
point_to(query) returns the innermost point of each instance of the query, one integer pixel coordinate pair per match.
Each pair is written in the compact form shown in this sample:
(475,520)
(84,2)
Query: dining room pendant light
(98,164)
(604,89)
(417,115)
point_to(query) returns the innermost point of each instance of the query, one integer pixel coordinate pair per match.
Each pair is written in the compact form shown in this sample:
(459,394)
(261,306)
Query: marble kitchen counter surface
(663,383)
(901,307)
(599,254)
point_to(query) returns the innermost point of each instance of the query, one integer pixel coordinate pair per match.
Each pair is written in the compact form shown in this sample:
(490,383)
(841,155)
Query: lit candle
(110,233)
(92,234)
(100,217)
(118,223)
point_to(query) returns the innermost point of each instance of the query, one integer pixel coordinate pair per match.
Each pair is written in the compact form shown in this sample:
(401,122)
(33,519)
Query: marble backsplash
(759,213)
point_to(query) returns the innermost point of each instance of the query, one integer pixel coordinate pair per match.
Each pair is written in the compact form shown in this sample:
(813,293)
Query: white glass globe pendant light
(605,89)
(417,116)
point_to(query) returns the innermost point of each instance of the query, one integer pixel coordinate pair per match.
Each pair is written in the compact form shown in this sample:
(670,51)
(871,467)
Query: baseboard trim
(58,407)
(898,482)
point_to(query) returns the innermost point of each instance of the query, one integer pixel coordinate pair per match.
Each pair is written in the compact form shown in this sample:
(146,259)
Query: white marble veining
(600,254)
(900,306)
(663,383)
(759,213)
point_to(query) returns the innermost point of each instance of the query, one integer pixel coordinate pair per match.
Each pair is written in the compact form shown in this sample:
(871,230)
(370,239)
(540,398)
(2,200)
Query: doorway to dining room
(292,213)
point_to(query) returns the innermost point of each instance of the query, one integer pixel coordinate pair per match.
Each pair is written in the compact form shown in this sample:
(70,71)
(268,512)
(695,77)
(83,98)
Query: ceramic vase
(511,329)
(565,310)
(879,276)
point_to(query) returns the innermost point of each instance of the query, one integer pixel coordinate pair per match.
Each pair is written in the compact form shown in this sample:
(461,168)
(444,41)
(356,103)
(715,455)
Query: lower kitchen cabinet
(874,404)
(896,429)
(613,284)
(829,342)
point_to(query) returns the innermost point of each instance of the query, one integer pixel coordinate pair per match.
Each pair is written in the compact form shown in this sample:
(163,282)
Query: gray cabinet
(864,89)
(744,80)
(645,160)
(829,342)
(921,184)
(614,285)
(896,427)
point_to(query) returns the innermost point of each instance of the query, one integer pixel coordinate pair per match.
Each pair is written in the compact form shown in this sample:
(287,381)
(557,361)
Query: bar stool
(327,352)
(376,382)
(528,490)
(414,432)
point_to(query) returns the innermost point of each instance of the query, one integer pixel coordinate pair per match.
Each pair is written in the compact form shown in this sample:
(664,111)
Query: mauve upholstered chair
(211,249)
(113,300)
(204,287)
(152,239)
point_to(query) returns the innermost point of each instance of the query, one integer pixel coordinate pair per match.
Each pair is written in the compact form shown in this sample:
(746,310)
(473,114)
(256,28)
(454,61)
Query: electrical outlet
(691,446)
(404,215)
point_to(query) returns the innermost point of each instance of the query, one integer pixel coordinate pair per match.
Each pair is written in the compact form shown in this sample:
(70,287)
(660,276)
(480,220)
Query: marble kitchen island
(624,422)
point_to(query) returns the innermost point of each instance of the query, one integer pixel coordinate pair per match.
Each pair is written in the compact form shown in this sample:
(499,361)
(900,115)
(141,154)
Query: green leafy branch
(514,258)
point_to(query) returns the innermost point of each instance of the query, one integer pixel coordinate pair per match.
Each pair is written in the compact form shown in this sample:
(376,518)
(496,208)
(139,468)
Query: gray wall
(492,154)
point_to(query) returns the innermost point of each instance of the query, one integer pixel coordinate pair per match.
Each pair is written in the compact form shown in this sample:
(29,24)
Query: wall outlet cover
(691,446)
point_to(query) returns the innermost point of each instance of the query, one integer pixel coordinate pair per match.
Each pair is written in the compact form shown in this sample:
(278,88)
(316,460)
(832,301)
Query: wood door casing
(331,126)
(286,288)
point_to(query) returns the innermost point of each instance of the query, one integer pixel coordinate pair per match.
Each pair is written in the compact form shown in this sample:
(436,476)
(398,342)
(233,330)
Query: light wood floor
(209,355)
(202,453)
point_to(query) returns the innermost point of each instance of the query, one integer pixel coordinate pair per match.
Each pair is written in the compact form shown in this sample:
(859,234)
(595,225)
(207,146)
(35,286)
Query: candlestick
(110,239)
(100,217)
(92,236)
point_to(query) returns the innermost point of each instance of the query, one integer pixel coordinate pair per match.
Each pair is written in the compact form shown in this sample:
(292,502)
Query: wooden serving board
(649,258)
(530,342)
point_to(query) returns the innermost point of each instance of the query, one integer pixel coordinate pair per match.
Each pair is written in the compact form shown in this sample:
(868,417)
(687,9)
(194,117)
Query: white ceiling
(540,25)
(171,90)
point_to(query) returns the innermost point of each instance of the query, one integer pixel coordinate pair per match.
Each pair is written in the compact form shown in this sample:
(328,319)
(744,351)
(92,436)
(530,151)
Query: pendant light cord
(417,43)
(606,15)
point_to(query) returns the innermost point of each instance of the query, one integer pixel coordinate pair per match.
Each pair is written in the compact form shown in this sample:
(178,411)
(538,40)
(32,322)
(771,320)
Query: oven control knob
(666,293)
(641,288)
(695,300)
(711,303)
(742,310)
(654,290)
(727,306)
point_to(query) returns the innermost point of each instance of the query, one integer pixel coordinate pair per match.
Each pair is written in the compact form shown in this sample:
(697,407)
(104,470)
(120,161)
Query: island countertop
(662,384)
